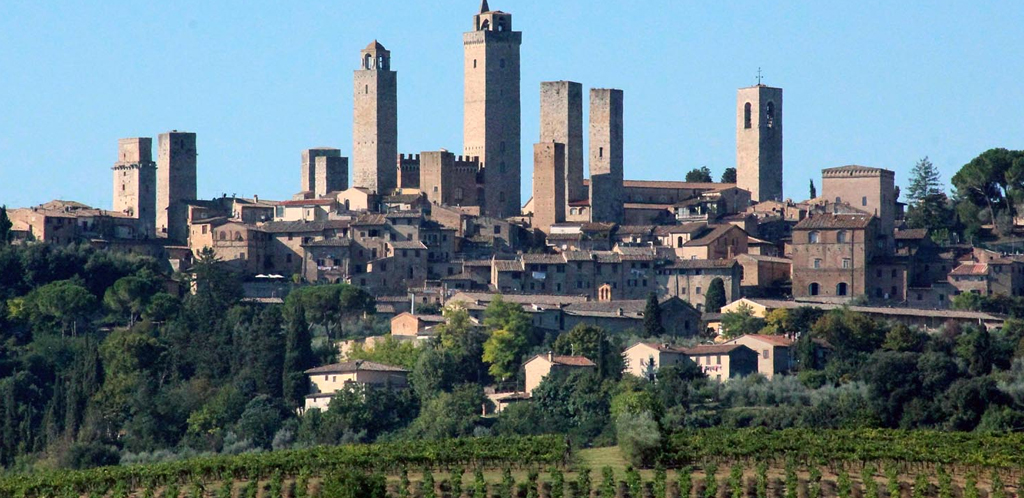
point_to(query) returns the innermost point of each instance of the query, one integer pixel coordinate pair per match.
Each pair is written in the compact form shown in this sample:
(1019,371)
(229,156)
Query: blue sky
(870,82)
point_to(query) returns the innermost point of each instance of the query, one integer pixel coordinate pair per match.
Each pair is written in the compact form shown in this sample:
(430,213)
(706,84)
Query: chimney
(255,198)
(618,311)
(551,356)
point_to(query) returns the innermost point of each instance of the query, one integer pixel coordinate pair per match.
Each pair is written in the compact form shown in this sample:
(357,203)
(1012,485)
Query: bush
(88,455)
(639,438)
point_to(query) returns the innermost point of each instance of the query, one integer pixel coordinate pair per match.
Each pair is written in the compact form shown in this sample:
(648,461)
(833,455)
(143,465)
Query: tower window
(770,115)
(746,115)
(367,62)
(600,152)
(366,89)
(474,63)
(864,201)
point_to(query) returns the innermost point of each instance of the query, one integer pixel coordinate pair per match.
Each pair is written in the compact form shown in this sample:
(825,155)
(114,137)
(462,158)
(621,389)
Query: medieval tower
(759,142)
(375,121)
(561,121)
(606,189)
(176,183)
(491,122)
(135,183)
(323,171)
(548,185)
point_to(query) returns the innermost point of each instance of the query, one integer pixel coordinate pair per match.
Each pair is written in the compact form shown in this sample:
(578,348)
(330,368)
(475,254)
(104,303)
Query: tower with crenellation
(375,121)
(135,183)
(491,120)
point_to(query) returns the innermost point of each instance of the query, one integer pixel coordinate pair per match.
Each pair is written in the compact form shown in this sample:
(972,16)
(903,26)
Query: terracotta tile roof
(669,184)
(543,259)
(569,361)
(690,264)
(853,170)
(551,299)
(507,265)
(308,202)
(712,349)
(635,229)
(597,227)
(970,269)
(353,366)
(407,244)
(911,233)
(711,236)
(833,221)
(684,228)
(775,340)
(302,226)
(328,243)
(645,205)
(767,259)
(664,348)
(370,219)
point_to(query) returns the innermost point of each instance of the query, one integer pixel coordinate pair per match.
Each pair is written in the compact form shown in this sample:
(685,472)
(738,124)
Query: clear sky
(877,83)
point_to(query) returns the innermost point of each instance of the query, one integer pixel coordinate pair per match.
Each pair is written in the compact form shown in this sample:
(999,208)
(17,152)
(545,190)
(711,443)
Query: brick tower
(176,183)
(606,190)
(491,123)
(135,183)
(375,121)
(548,185)
(759,142)
(561,121)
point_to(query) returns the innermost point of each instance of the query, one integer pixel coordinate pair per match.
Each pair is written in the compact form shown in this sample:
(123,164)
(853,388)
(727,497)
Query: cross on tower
(758,76)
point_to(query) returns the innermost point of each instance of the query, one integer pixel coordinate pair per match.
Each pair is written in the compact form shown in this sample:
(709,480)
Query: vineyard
(714,463)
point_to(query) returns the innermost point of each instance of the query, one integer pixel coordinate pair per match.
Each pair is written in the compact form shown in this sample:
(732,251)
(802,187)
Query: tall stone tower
(548,185)
(606,190)
(375,121)
(323,171)
(176,183)
(561,121)
(491,123)
(135,183)
(759,142)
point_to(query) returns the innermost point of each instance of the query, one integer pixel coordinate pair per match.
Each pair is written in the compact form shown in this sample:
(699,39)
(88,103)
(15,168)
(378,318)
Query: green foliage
(867,477)
(814,482)
(728,175)
(634,482)
(844,487)
(449,414)
(353,484)
(298,357)
(714,297)
(761,475)
(508,483)
(639,437)
(945,482)
(998,488)
(699,175)
(427,485)
(390,351)
(595,344)
(736,481)
(684,479)
(456,476)
(813,192)
(479,484)
(607,488)
(741,322)
(652,317)
(5,226)
(583,483)
(989,188)
(504,351)
(892,480)
(971,486)
(793,482)
(710,481)
(660,483)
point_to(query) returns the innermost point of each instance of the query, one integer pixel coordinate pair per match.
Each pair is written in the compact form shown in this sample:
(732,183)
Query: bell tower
(375,121)
(759,142)
(491,107)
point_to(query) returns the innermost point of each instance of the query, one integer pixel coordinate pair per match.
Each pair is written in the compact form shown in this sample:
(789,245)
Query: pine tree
(652,317)
(924,181)
(298,357)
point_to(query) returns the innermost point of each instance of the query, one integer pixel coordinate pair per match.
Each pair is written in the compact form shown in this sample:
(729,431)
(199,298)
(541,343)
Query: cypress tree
(652,317)
(714,298)
(298,357)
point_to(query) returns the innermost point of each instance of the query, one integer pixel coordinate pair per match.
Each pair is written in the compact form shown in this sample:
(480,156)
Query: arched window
(223,236)
(813,289)
(679,241)
(501,25)
(746,115)
(367,61)
(841,289)
(381,62)
(813,237)
(485,25)
(770,115)
(841,237)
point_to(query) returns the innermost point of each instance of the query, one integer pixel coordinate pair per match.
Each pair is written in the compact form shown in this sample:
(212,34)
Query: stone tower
(606,190)
(561,120)
(176,183)
(491,122)
(323,171)
(548,185)
(375,121)
(135,183)
(759,142)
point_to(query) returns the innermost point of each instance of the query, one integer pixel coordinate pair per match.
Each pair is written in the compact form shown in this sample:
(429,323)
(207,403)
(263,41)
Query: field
(745,464)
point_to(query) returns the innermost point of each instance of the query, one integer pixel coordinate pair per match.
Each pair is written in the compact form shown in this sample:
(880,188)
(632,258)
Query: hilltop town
(416,294)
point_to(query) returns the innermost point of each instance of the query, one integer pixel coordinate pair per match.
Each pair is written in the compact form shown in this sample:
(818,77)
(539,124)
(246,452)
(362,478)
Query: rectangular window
(847,263)
(765,354)
(817,264)
(864,201)
(718,360)
(698,290)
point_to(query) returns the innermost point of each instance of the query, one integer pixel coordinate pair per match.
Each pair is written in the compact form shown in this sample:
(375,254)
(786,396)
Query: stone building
(548,185)
(561,121)
(606,183)
(176,183)
(872,190)
(833,255)
(759,142)
(538,367)
(689,279)
(375,121)
(448,179)
(492,114)
(327,380)
(135,183)
(323,171)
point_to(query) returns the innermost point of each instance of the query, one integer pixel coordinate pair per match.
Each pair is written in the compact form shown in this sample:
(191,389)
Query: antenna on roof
(758,76)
